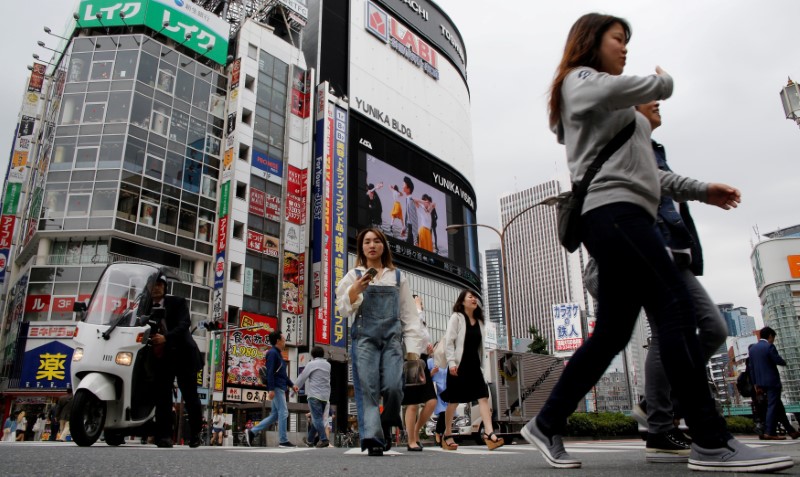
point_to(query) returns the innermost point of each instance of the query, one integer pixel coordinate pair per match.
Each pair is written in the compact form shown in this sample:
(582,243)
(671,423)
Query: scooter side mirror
(79,307)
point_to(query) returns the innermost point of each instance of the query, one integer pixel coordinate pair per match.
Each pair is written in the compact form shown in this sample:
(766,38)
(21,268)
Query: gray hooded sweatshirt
(595,106)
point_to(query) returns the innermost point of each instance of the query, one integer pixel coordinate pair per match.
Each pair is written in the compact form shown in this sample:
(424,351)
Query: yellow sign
(51,366)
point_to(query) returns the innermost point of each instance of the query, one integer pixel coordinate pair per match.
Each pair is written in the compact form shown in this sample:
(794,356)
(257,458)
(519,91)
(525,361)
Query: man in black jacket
(179,357)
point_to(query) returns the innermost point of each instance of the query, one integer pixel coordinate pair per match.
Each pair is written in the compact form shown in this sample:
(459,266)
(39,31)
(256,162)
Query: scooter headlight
(124,358)
(77,355)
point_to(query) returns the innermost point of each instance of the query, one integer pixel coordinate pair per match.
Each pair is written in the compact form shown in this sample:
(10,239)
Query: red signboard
(222,234)
(255,241)
(272,209)
(63,304)
(256,203)
(37,303)
(6,230)
(296,188)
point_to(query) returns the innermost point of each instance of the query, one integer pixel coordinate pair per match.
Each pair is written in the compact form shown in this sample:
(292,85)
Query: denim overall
(377,351)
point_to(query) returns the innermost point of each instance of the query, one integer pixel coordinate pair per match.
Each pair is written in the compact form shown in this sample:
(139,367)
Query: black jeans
(635,271)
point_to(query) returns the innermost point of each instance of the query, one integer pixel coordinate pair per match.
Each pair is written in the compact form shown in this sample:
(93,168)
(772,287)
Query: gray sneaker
(552,448)
(736,457)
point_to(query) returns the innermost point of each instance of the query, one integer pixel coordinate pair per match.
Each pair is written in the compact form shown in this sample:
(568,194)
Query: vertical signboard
(567,326)
(339,217)
(320,270)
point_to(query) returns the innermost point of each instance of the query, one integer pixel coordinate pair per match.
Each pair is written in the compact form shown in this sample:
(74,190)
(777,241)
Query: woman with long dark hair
(376,297)
(590,103)
(465,381)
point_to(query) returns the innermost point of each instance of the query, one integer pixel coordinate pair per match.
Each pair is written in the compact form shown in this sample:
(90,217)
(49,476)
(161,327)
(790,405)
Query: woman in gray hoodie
(590,102)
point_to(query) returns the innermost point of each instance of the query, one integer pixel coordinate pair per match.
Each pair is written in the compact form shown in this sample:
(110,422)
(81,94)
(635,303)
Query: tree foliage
(539,345)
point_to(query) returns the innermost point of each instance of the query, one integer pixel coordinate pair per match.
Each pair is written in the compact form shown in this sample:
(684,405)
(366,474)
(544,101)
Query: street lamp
(790,97)
(451,229)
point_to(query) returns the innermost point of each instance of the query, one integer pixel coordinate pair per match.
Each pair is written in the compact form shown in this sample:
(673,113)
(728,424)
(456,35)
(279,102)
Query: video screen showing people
(406,208)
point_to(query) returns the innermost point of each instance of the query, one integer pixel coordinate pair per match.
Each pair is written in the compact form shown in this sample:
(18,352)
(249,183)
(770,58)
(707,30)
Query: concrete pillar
(44,251)
(199,269)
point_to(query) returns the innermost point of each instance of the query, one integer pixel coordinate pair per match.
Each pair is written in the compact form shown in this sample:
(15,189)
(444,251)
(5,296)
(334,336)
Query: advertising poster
(567,326)
(271,246)
(293,283)
(247,349)
(37,77)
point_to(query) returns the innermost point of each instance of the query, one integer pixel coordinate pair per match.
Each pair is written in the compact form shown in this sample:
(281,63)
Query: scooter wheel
(87,418)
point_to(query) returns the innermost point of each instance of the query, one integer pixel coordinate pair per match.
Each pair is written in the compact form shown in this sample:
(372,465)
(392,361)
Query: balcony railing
(107,258)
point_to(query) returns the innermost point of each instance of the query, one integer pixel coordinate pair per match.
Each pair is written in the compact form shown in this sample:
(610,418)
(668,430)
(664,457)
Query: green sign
(208,33)
(11,200)
(224,193)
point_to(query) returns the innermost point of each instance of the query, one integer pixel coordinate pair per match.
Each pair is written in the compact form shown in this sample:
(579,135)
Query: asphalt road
(600,458)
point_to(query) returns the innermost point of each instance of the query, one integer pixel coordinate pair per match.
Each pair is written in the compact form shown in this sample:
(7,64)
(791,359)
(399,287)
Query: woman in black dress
(465,381)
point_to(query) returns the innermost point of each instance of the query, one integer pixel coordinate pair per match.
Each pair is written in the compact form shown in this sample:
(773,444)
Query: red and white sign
(257,202)
(63,304)
(37,303)
(255,241)
(296,188)
(48,331)
(6,230)
(222,234)
(272,207)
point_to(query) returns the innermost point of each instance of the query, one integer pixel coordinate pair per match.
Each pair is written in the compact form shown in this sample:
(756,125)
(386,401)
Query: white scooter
(113,362)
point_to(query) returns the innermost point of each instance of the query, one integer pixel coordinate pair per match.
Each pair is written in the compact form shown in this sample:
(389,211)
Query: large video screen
(413,198)
(406,208)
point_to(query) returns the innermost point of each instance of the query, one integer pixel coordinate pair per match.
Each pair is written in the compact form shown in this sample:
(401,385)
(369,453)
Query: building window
(238,230)
(236,272)
(166,81)
(94,112)
(148,213)
(241,190)
(252,51)
(78,205)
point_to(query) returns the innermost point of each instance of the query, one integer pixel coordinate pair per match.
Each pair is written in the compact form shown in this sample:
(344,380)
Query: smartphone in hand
(371,273)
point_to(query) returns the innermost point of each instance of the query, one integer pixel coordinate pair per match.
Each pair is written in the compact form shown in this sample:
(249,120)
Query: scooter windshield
(121,294)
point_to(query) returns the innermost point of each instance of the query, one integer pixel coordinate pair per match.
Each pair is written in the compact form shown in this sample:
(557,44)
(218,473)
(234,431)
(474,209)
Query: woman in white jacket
(377,299)
(465,381)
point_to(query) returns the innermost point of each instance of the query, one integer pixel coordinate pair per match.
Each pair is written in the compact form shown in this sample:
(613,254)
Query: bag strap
(615,143)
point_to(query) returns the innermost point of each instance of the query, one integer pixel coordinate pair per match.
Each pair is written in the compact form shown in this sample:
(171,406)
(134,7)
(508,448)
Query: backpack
(743,383)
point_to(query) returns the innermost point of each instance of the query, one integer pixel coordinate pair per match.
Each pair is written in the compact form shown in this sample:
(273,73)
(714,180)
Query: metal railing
(107,258)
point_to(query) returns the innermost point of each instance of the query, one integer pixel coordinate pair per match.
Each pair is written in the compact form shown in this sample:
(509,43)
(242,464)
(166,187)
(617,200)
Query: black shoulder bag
(570,203)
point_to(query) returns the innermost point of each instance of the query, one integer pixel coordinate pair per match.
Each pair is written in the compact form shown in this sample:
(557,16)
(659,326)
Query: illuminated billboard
(412,197)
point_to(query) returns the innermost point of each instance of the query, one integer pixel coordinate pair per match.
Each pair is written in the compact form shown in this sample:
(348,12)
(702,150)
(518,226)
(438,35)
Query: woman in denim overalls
(382,315)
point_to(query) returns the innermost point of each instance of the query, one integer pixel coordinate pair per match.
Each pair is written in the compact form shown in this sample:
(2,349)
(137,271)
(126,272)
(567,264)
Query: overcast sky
(724,123)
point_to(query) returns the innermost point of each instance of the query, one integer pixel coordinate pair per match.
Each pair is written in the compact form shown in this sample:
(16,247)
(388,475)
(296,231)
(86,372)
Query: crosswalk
(573,447)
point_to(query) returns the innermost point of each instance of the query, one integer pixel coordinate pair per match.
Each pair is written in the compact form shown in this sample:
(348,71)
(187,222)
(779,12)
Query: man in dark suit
(765,360)
(176,356)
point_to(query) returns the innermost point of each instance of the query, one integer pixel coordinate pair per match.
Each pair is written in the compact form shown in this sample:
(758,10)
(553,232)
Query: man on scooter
(179,358)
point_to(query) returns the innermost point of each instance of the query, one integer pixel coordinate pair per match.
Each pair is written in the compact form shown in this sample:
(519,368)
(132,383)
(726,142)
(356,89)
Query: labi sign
(209,33)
